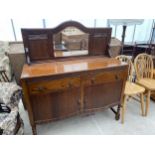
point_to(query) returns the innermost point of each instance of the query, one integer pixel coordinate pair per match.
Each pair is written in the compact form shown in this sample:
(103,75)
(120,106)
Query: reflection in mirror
(75,67)
(71,41)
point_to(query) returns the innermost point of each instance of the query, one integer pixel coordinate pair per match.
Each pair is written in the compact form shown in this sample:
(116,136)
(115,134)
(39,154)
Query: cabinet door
(103,90)
(56,99)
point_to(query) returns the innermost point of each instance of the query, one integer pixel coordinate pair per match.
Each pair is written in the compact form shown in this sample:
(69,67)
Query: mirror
(71,41)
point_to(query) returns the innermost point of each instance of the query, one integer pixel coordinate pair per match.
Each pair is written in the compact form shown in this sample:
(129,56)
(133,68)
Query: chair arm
(10,94)
(5,65)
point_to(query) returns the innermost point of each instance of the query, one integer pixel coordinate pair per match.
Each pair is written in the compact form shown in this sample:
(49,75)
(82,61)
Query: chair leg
(123,108)
(142,103)
(147,102)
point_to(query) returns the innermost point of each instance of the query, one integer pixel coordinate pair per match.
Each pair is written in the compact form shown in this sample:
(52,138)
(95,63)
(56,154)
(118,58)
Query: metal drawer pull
(40,89)
(116,77)
(92,81)
(69,84)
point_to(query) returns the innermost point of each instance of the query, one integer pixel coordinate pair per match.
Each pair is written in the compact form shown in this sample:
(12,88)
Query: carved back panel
(38,43)
(99,40)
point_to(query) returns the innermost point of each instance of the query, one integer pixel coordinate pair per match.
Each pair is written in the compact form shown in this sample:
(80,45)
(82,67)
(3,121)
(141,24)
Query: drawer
(103,77)
(53,85)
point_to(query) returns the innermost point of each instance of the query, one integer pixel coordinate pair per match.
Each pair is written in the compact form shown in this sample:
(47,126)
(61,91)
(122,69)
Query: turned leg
(123,107)
(117,116)
(117,113)
(147,102)
(142,103)
(34,130)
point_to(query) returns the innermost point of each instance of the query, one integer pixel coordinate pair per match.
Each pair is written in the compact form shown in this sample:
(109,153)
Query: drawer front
(54,85)
(104,77)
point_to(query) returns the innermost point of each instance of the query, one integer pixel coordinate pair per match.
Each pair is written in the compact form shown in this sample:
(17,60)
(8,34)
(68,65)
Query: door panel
(56,105)
(102,95)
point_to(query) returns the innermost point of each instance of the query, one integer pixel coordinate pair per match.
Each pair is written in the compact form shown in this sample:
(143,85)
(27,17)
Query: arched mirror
(70,41)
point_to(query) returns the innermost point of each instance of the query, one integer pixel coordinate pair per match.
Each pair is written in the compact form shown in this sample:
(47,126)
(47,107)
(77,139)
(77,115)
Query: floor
(100,123)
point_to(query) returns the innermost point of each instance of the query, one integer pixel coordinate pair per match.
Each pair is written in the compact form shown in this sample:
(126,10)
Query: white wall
(6,32)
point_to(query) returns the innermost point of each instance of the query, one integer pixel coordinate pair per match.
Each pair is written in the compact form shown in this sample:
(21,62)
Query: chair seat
(133,89)
(147,83)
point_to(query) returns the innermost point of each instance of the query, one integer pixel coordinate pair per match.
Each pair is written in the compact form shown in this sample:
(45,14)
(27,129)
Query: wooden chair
(131,88)
(144,70)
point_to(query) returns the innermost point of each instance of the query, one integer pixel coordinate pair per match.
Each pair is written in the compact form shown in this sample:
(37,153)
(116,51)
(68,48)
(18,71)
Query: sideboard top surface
(51,68)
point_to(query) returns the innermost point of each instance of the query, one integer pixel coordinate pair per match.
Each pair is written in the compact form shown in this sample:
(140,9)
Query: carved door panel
(56,105)
(56,99)
(103,89)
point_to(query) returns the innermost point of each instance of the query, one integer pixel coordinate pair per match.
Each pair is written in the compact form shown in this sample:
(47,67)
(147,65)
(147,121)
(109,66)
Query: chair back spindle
(144,66)
(124,58)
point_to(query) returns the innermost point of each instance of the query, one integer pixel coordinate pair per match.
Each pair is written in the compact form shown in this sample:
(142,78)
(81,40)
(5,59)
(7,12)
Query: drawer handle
(92,81)
(39,89)
(69,84)
(116,77)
